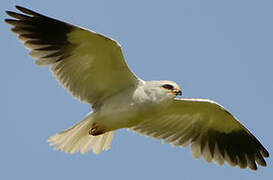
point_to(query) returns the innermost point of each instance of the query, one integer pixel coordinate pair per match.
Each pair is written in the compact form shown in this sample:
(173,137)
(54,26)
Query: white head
(162,89)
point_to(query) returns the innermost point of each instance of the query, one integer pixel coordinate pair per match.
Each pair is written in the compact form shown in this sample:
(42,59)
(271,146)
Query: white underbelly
(124,110)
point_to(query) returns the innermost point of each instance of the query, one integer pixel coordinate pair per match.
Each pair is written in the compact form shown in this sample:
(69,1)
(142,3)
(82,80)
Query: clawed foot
(94,130)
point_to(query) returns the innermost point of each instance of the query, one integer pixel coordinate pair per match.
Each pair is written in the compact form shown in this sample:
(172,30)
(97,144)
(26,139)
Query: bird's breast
(127,109)
(119,111)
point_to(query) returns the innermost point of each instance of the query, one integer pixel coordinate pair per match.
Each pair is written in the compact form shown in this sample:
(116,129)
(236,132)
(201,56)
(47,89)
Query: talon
(94,130)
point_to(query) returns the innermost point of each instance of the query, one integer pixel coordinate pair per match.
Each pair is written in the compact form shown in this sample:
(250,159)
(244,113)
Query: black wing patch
(237,148)
(44,36)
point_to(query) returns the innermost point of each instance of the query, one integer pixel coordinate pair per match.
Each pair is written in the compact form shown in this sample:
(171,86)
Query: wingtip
(11,14)
(9,21)
(265,153)
(255,168)
(27,11)
(19,7)
(8,12)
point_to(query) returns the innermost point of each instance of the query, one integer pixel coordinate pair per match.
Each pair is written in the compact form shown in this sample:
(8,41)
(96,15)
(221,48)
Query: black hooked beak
(178,92)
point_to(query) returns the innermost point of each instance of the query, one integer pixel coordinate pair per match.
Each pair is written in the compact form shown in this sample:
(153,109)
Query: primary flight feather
(92,68)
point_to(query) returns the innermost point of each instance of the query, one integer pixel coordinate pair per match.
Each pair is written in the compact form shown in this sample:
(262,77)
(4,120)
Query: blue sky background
(221,50)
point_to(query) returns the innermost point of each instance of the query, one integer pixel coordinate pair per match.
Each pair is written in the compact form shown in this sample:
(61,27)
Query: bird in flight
(92,68)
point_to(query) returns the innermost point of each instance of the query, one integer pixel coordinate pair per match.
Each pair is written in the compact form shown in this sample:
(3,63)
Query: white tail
(77,138)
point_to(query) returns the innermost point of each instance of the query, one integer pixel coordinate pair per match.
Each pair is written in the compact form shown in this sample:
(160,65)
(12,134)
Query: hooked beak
(177,92)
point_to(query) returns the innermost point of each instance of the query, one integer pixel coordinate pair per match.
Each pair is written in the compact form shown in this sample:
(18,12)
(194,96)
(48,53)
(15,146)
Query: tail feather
(77,139)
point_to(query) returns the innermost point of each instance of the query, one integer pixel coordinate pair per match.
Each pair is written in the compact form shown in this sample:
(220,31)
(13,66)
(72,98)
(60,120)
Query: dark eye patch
(167,86)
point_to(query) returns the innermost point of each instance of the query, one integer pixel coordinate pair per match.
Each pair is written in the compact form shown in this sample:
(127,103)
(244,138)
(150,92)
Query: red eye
(167,86)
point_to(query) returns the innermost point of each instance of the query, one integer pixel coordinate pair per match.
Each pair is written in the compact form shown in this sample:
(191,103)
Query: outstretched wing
(89,65)
(211,130)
